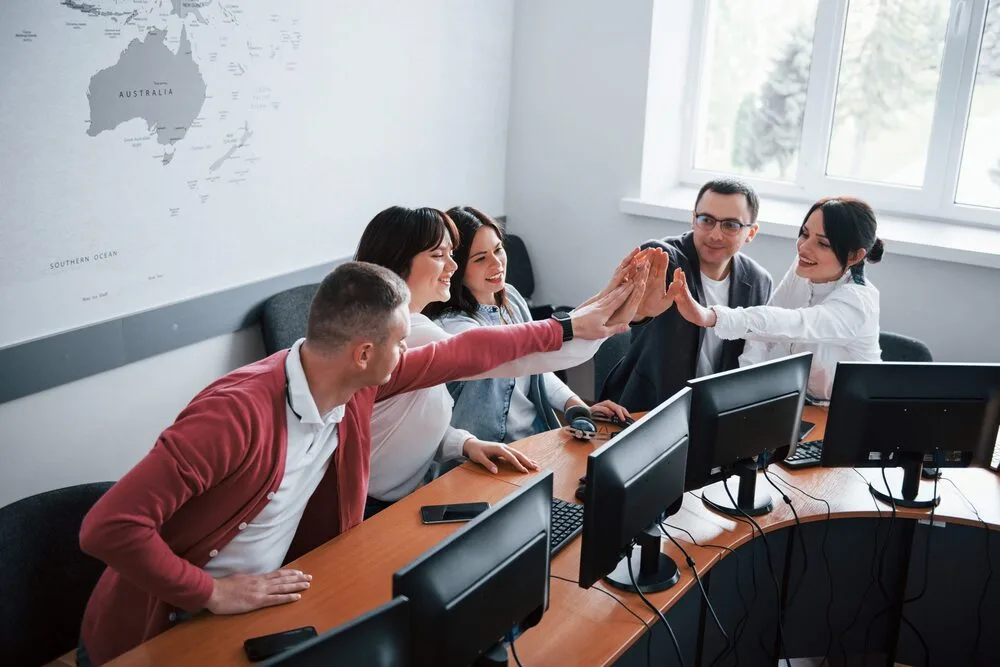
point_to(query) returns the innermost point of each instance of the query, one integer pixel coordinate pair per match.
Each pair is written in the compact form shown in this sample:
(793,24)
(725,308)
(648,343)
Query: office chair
(522,277)
(283,317)
(607,357)
(46,579)
(896,347)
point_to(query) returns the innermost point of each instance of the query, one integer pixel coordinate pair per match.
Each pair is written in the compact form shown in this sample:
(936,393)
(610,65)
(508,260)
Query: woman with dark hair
(411,435)
(504,408)
(825,304)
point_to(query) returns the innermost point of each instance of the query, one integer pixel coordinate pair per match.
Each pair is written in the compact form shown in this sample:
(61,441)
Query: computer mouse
(581,492)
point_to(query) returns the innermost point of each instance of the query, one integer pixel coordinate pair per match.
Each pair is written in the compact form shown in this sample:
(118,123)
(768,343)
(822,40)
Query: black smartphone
(452,513)
(266,646)
(805,428)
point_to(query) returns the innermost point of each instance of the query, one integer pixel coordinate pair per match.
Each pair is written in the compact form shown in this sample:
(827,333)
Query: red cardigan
(214,468)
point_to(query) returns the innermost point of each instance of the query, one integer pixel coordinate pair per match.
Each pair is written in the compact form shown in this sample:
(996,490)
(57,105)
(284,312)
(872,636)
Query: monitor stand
(496,656)
(910,495)
(749,499)
(654,570)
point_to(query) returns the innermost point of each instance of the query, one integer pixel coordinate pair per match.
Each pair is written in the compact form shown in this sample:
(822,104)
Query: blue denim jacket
(481,406)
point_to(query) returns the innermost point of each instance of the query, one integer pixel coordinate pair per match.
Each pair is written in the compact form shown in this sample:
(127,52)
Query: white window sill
(930,239)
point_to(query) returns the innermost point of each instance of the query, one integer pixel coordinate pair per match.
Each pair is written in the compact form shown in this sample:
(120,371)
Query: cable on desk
(770,567)
(741,623)
(989,570)
(513,652)
(649,630)
(798,530)
(826,562)
(694,571)
(673,637)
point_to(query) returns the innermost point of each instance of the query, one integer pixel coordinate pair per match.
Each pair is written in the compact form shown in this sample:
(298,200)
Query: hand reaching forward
(239,593)
(593,321)
(690,310)
(656,299)
(484,453)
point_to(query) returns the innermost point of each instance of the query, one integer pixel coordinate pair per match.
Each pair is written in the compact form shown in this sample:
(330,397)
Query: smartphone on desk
(266,646)
(452,513)
(805,428)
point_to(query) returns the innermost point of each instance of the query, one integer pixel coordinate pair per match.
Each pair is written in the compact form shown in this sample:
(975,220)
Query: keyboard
(807,455)
(567,522)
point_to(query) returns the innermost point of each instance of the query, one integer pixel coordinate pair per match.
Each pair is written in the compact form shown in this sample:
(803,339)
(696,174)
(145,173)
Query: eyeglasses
(730,227)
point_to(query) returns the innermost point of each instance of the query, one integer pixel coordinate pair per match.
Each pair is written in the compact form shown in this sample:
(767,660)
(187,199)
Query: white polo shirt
(260,546)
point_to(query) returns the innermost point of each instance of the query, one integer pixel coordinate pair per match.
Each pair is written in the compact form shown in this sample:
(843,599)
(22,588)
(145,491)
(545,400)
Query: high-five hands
(690,310)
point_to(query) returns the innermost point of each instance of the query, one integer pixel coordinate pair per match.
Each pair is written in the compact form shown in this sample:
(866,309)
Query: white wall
(419,118)
(575,148)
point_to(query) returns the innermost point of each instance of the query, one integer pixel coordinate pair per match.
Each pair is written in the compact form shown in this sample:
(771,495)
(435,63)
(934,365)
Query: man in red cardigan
(271,460)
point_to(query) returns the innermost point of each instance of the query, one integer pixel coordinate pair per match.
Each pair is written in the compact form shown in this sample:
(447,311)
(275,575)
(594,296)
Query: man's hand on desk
(484,454)
(239,593)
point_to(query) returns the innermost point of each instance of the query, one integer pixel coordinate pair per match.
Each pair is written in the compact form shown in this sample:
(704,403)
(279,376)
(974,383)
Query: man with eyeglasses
(666,351)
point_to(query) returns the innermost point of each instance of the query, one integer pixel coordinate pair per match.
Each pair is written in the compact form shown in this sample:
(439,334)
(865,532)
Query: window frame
(935,200)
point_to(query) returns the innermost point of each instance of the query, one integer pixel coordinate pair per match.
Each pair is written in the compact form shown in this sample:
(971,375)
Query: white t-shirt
(261,545)
(710,350)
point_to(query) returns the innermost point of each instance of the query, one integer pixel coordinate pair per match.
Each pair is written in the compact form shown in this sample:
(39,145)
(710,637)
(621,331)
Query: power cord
(802,540)
(770,567)
(742,622)
(989,570)
(694,571)
(673,637)
(513,651)
(826,562)
(649,630)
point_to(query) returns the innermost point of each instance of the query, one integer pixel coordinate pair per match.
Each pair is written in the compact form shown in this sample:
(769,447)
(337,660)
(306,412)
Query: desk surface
(352,574)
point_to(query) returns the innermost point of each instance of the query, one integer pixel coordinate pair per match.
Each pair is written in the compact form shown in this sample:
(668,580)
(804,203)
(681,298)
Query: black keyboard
(567,522)
(807,455)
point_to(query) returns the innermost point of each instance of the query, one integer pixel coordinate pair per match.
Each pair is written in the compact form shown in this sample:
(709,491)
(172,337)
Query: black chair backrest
(284,316)
(519,273)
(46,579)
(608,355)
(896,347)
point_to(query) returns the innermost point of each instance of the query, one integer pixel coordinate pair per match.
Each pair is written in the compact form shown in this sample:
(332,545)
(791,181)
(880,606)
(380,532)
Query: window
(896,101)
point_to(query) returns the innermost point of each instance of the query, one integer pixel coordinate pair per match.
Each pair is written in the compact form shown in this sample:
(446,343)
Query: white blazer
(836,321)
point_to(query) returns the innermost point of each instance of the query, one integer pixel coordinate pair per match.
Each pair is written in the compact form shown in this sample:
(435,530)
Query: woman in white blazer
(824,304)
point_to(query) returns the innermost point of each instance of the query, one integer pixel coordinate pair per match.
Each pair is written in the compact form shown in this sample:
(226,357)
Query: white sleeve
(755,351)
(453,443)
(572,353)
(557,391)
(837,320)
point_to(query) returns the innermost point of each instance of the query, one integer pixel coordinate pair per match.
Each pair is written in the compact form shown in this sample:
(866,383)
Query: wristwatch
(567,324)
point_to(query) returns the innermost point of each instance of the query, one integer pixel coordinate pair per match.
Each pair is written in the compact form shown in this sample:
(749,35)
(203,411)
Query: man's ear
(363,355)
(753,232)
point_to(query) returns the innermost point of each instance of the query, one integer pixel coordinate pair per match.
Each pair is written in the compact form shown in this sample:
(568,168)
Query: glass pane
(979,176)
(753,88)
(889,71)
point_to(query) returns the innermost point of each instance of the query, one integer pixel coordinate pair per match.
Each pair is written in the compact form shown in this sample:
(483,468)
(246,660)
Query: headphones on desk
(580,423)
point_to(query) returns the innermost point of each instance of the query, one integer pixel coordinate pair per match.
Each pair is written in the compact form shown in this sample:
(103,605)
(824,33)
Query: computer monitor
(380,638)
(737,417)
(632,482)
(485,581)
(887,415)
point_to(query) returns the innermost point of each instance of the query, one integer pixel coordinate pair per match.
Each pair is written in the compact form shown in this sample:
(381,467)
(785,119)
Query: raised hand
(690,310)
(484,453)
(625,272)
(239,593)
(592,321)
(656,299)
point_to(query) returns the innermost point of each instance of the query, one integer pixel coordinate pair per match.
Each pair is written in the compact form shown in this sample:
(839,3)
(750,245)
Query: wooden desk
(352,574)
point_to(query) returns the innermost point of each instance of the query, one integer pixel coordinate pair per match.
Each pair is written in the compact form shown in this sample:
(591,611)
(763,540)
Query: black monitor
(887,415)
(380,638)
(489,579)
(741,419)
(632,482)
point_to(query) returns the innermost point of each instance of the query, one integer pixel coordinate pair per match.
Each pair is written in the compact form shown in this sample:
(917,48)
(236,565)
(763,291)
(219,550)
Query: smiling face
(486,270)
(430,274)
(816,260)
(721,226)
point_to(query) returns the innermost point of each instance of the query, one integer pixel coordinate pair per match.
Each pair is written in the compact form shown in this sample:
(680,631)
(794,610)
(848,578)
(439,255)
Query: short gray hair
(356,300)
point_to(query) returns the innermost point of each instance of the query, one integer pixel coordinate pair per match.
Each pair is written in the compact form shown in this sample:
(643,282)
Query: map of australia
(150,82)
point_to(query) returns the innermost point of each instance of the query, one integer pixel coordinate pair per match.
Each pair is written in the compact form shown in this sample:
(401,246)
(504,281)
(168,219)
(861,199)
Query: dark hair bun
(875,254)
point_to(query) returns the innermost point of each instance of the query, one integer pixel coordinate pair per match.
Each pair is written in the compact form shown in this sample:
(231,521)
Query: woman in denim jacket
(497,409)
